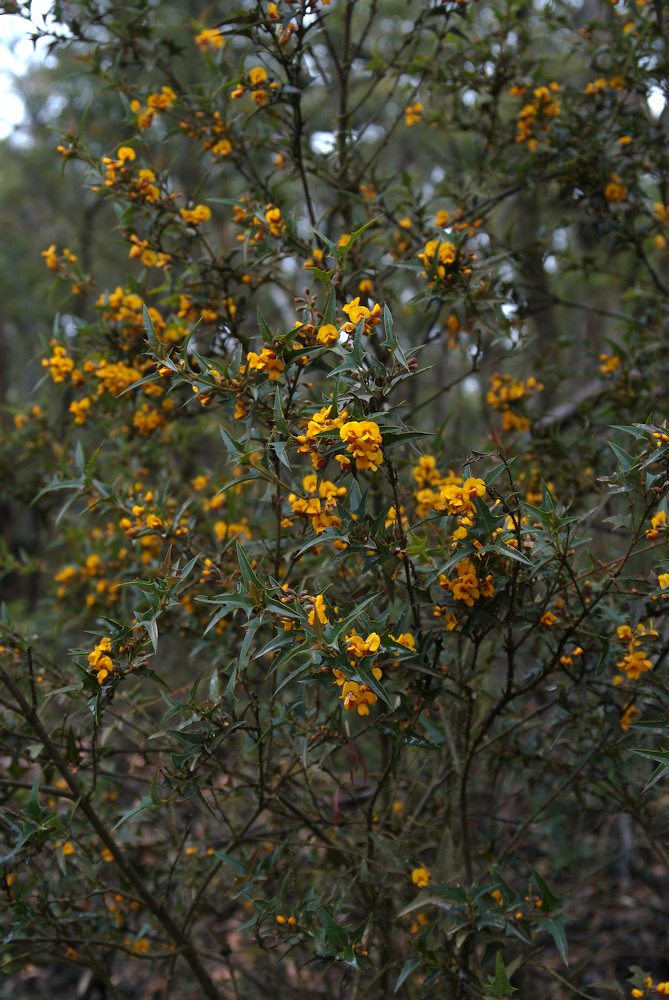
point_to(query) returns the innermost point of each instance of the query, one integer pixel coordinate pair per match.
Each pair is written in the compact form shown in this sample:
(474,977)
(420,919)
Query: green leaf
(625,460)
(484,516)
(555,927)
(407,969)
(363,673)
(548,900)
(280,422)
(33,810)
(152,629)
(340,252)
(234,447)
(635,431)
(661,757)
(391,341)
(246,478)
(248,575)
(509,552)
(153,377)
(330,311)
(335,934)
(148,327)
(265,331)
(500,985)
(146,803)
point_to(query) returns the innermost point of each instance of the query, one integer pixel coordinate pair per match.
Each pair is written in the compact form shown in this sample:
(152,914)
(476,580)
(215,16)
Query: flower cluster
(266,362)
(658,525)
(258,84)
(100,661)
(457,499)
(319,505)
(145,114)
(58,262)
(505,393)
(210,40)
(196,215)
(320,423)
(60,364)
(356,313)
(466,586)
(354,695)
(413,114)
(363,441)
(615,191)
(635,662)
(439,258)
(534,116)
(660,989)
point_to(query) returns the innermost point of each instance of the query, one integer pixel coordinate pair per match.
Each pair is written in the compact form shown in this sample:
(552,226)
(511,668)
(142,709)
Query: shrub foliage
(341,664)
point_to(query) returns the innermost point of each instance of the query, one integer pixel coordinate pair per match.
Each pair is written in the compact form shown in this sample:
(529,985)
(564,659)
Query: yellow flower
(615,191)
(257,76)
(438,256)
(266,362)
(635,663)
(51,257)
(100,661)
(663,580)
(413,114)
(318,611)
(405,639)
(609,363)
(357,696)
(223,531)
(209,38)
(163,100)
(658,523)
(457,498)
(59,364)
(356,313)
(273,219)
(627,716)
(147,419)
(533,116)
(421,877)
(194,216)
(466,586)
(327,334)
(548,619)
(80,410)
(358,647)
(115,377)
(222,148)
(363,440)
(68,848)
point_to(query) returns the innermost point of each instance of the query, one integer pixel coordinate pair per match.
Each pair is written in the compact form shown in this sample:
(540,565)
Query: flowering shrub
(350,657)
